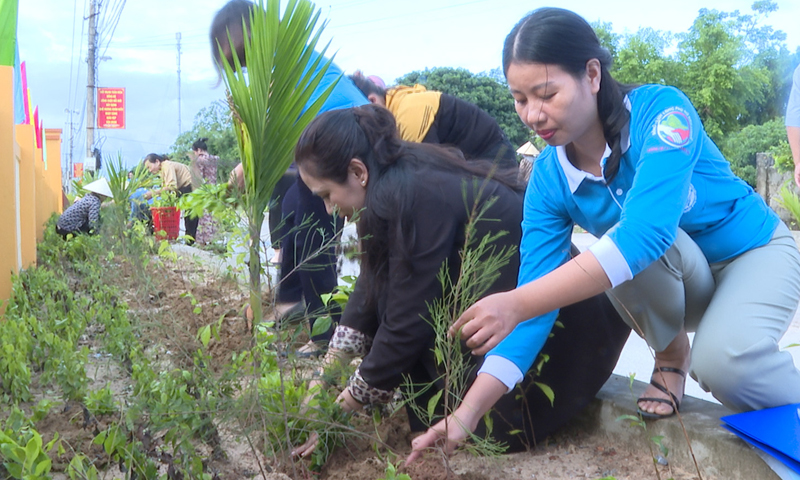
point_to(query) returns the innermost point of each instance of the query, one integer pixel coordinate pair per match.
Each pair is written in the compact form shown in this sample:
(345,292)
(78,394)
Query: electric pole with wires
(90,80)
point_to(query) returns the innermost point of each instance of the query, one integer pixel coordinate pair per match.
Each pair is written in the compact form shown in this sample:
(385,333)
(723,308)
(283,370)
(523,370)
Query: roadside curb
(719,453)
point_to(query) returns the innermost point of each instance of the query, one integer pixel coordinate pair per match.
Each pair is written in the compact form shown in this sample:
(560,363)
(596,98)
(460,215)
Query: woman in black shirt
(412,203)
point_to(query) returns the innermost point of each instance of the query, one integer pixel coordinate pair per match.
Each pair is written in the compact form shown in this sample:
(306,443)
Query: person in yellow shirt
(427,116)
(175,177)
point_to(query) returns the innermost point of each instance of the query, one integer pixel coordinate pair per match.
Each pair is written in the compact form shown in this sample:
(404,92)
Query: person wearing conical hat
(84,215)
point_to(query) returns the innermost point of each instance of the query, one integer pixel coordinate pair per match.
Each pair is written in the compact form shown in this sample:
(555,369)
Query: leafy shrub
(740,148)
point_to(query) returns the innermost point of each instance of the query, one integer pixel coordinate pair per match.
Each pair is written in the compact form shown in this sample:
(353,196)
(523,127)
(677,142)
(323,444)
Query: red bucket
(166,222)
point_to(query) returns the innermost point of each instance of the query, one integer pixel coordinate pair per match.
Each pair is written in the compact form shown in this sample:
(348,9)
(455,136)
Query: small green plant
(101,402)
(480,266)
(24,455)
(790,201)
(165,198)
(782,154)
(637,421)
(391,473)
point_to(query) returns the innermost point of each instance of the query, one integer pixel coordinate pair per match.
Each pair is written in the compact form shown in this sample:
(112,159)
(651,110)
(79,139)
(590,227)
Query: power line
(114,28)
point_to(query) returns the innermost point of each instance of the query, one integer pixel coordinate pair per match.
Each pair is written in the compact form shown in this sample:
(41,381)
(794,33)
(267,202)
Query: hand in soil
(435,438)
(308,447)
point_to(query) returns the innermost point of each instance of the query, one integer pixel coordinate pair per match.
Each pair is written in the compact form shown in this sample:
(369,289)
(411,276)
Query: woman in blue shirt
(308,258)
(684,244)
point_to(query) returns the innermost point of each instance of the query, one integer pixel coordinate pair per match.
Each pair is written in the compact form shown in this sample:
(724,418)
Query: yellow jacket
(414,109)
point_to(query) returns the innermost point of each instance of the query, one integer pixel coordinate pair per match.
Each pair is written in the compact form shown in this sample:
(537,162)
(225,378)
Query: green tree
(608,39)
(485,91)
(740,148)
(271,106)
(212,122)
(641,59)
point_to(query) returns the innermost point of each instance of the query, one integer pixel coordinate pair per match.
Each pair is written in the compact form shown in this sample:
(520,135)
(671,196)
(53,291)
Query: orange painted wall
(42,199)
(52,174)
(27,192)
(8,241)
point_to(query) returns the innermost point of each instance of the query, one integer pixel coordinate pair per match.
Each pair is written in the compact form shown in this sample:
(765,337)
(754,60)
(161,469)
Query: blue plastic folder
(773,430)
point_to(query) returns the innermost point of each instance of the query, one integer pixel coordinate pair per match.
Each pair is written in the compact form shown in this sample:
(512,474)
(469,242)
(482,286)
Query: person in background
(684,243)
(205,165)
(83,216)
(303,276)
(434,117)
(280,226)
(355,161)
(140,208)
(793,123)
(175,177)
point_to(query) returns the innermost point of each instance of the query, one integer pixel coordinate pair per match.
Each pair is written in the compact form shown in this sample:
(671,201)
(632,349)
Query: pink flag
(37,127)
(25,93)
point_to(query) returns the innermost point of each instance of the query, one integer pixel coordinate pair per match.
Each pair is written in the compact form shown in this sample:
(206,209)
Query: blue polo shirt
(671,175)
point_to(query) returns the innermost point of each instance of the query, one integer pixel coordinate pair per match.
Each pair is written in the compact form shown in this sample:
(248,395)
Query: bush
(741,148)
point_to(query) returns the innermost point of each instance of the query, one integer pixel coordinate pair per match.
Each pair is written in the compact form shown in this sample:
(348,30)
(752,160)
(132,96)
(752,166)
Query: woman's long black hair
(369,133)
(560,37)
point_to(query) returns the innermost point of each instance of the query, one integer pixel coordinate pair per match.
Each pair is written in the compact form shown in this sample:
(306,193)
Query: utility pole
(178,38)
(71,138)
(90,96)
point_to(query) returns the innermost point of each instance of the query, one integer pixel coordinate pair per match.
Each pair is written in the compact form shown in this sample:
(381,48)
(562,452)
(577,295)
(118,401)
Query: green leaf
(632,418)
(32,449)
(321,325)
(326,297)
(43,466)
(205,335)
(548,392)
(433,402)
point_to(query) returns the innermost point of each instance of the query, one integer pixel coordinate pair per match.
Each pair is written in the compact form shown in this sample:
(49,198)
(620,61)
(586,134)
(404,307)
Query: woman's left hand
(487,322)
(308,447)
(348,404)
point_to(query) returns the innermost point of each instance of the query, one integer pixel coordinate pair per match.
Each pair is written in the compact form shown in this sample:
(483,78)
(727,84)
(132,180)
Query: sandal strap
(664,389)
(670,370)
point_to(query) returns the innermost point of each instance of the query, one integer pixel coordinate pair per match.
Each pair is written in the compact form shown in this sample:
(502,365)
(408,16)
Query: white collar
(574,175)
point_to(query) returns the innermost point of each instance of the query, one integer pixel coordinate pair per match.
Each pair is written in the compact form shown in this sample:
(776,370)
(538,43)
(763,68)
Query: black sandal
(674,403)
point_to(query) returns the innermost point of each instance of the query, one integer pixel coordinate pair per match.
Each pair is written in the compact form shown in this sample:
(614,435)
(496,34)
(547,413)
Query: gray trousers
(739,309)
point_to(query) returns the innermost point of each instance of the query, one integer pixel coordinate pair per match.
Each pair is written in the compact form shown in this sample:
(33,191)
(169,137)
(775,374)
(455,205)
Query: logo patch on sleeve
(674,127)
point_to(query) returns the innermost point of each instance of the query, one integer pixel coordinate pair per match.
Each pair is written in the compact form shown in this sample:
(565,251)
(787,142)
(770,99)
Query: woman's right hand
(457,431)
(487,322)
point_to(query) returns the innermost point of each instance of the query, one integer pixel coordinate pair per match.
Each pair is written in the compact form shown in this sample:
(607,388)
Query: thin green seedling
(637,421)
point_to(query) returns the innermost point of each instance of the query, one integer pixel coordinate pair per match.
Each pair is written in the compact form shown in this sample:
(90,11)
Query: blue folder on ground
(773,430)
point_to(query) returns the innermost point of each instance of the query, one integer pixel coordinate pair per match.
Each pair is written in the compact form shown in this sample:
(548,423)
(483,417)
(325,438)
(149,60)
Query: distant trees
(483,90)
(214,123)
(736,71)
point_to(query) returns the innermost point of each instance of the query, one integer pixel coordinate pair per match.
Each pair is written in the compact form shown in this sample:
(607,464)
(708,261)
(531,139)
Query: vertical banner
(111,108)
(19,102)
(26,94)
(8,31)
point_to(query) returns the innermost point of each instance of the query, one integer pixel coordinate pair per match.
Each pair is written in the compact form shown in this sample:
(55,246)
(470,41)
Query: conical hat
(100,186)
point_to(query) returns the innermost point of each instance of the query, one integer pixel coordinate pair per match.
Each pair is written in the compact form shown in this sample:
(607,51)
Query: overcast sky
(380,37)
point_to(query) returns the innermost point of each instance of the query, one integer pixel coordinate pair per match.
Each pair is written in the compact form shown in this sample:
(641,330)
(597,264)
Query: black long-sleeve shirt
(398,325)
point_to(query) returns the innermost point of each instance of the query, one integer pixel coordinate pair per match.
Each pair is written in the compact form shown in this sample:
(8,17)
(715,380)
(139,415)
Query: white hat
(101,187)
